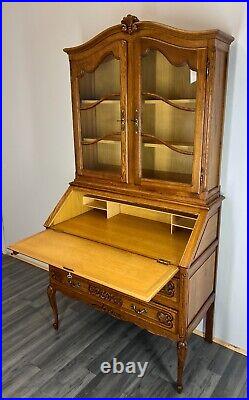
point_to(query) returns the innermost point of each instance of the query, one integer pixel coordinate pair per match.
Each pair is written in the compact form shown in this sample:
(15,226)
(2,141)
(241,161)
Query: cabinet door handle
(136,122)
(138,311)
(122,120)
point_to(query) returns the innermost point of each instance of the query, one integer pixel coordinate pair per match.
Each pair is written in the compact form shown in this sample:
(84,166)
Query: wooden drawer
(67,278)
(84,286)
(115,303)
(167,317)
(169,294)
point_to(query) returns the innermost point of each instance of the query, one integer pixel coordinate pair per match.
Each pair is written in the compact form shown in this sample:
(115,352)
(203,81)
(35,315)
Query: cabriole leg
(209,324)
(52,300)
(181,354)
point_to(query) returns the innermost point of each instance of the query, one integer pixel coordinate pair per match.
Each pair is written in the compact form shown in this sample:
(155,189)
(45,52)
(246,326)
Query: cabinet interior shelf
(95,203)
(146,142)
(91,102)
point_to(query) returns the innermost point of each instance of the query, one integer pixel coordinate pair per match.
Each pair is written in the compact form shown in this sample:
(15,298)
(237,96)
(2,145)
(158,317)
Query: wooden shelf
(111,208)
(90,101)
(188,102)
(149,141)
(187,226)
(167,176)
(183,222)
(104,141)
(146,142)
(115,169)
(98,204)
(188,146)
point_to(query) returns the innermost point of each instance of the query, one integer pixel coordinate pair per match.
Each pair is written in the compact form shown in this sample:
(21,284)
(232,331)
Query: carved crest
(129,24)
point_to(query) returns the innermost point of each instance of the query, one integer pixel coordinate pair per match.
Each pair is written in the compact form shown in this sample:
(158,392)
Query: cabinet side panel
(70,207)
(217,118)
(201,285)
(209,235)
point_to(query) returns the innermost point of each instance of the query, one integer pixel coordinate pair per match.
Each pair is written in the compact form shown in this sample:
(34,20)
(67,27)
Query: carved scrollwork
(92,61)
(52,273)
(166,318)
(170,289)
(129,24)
(104,295)
(177,57)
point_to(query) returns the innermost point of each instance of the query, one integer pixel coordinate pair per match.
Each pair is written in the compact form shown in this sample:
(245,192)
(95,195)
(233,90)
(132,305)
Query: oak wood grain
(117,269)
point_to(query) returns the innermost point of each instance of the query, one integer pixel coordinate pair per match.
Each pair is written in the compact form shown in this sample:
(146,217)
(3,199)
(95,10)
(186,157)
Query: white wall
(38,159)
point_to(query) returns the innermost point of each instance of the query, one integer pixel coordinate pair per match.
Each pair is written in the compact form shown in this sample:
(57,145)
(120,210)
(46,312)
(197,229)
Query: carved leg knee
(181,354)
(52,300)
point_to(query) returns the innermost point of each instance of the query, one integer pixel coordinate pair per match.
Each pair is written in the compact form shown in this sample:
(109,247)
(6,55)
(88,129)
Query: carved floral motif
(104,295)
(166,318)
(170,289)
(129,24)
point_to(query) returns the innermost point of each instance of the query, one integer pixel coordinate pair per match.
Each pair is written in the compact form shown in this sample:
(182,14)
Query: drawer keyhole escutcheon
(74,284)
(138,311)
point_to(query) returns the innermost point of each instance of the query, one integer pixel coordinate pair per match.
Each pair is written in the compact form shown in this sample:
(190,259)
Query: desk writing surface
(129,273)
(138,235)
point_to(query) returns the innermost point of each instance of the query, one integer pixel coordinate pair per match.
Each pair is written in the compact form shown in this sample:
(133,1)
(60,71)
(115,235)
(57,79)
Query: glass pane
(100,117)
(168,119)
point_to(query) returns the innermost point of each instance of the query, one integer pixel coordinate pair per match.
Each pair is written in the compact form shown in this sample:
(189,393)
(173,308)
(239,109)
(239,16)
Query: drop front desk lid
(132,274)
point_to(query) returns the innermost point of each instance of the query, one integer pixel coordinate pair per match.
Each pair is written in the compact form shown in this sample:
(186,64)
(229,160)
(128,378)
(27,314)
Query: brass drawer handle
(69,276)
(137,311)
(73,283)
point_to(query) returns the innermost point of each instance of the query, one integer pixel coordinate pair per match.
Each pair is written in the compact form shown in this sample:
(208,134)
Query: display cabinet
(136,234)
(148,110)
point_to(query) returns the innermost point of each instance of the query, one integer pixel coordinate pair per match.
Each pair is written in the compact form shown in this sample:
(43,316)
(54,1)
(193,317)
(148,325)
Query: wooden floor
(39,362)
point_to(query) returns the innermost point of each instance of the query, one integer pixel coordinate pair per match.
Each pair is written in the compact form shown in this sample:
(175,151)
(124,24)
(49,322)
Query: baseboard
(222,343)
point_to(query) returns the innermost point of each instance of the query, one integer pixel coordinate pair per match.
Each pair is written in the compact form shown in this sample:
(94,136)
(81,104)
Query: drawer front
(169,294)
(68,278)
(114,302)
(167,317)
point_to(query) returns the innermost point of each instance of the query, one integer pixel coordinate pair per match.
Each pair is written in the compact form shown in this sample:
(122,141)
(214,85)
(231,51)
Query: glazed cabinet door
(99,97)
(169,115)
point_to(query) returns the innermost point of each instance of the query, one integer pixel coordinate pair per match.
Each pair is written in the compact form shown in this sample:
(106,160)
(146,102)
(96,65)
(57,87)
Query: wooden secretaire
(136,233)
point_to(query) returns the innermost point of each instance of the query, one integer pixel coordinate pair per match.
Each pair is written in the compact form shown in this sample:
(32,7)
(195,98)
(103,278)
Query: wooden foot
(181,354)
(179,388)
(209,324)
(52,300)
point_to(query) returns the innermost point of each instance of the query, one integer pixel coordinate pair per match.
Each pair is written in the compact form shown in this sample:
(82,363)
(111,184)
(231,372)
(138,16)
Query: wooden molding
(223,343)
